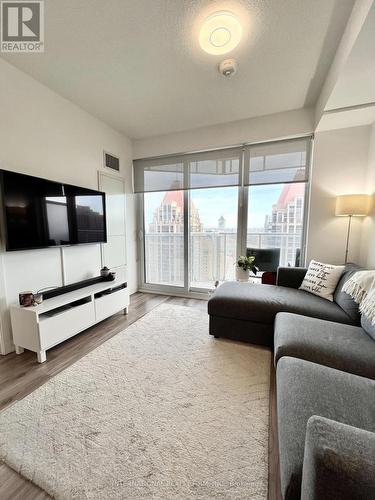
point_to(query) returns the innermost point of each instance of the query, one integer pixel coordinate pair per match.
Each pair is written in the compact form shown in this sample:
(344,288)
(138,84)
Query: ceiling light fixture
(220,33)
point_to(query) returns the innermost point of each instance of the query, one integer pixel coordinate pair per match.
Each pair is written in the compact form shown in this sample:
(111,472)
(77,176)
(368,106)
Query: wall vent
(111,161)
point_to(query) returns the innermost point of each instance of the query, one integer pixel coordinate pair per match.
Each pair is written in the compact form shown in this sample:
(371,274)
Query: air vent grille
(111,161)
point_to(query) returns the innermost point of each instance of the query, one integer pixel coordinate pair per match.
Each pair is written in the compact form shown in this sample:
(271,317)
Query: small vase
(242,274)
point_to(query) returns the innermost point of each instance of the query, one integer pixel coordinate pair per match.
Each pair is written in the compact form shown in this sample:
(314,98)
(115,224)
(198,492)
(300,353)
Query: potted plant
(244,266)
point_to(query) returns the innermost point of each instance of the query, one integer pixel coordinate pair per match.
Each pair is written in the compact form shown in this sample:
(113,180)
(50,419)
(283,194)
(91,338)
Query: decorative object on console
(351,205)
(44,293)
(104,272)
(244,266)
(38,298)
(321,279)
(26,299)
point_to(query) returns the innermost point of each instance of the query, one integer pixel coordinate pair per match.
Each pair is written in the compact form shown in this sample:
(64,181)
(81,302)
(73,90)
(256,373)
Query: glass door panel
(213,235)
(164,238)
(275,221)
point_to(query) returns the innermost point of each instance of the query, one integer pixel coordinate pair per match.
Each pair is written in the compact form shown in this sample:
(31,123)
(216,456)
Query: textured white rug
(161,411)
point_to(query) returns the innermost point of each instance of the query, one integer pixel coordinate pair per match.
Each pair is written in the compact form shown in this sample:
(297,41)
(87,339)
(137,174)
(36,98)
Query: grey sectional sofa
(247,311)
(324,354)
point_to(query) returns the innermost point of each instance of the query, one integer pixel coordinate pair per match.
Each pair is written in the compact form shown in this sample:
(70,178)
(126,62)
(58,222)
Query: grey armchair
(266,259)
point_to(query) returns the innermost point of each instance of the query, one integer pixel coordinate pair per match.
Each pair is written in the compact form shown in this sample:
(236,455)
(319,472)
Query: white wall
(339,167)
(263,128)
(368,233)
(44,135)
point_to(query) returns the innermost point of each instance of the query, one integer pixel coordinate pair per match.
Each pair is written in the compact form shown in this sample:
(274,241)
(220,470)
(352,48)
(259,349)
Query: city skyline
(207,201)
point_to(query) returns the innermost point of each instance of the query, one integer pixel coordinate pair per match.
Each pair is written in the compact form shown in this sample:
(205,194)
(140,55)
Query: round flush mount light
(220,33)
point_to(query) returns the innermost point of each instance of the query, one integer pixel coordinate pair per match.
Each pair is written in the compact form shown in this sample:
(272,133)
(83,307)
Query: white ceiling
(136,64)
(356,84)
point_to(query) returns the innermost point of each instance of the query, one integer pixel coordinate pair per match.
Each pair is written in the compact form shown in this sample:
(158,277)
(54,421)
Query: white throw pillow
(321,279)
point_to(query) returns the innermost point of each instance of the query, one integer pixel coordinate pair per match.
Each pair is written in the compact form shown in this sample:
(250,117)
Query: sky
(217,202)
(261,199)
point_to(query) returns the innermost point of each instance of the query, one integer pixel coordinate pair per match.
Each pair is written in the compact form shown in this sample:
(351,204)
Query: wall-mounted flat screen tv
(39,213)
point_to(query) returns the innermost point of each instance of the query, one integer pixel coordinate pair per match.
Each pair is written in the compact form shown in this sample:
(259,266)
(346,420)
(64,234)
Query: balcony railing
(212,255)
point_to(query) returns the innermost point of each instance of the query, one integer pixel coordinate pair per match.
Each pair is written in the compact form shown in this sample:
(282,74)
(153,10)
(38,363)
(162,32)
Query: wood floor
(20,375)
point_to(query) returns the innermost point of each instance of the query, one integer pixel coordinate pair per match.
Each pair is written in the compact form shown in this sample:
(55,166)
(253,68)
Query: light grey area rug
(161,411)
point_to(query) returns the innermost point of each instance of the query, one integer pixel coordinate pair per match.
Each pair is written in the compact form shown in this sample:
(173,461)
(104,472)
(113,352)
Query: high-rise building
(286,222)
(169,216)
(221,223)
(165,248)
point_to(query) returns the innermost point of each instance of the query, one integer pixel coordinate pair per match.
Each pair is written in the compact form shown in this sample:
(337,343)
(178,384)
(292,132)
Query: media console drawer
(106,305)
(56,328)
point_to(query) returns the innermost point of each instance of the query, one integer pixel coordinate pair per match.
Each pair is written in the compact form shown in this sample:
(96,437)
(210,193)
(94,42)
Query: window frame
(242,219)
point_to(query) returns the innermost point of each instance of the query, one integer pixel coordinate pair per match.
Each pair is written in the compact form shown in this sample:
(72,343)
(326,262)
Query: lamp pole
(347,239)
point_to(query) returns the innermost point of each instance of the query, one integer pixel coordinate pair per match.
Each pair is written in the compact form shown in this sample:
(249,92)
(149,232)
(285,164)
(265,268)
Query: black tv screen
(39,213)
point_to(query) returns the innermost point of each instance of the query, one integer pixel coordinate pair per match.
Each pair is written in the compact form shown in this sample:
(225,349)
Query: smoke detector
(228,67)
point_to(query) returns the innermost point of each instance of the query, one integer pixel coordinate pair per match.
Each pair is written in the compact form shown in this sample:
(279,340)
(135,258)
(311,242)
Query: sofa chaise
(247,311)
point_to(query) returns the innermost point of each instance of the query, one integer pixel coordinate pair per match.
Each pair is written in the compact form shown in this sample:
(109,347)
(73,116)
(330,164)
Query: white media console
(40,327)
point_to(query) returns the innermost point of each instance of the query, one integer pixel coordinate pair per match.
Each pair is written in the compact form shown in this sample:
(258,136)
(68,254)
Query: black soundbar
(75,286)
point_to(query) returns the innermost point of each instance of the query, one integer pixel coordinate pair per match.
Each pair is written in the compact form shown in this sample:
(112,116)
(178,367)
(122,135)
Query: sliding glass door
(213,235)
(164,238)
(189,219)
(201,211)
(212,230)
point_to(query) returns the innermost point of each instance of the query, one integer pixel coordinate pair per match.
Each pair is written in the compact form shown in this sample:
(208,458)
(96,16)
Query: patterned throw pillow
(321,279)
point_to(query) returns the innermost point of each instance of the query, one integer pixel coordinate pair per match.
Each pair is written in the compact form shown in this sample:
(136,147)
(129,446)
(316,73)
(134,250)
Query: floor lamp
(351,205)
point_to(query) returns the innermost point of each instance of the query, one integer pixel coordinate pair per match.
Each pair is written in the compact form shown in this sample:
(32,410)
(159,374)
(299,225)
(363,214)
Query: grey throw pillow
(343,299)
(367,326)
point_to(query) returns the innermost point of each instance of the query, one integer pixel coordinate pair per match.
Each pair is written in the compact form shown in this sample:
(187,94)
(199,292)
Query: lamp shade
(352,205)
